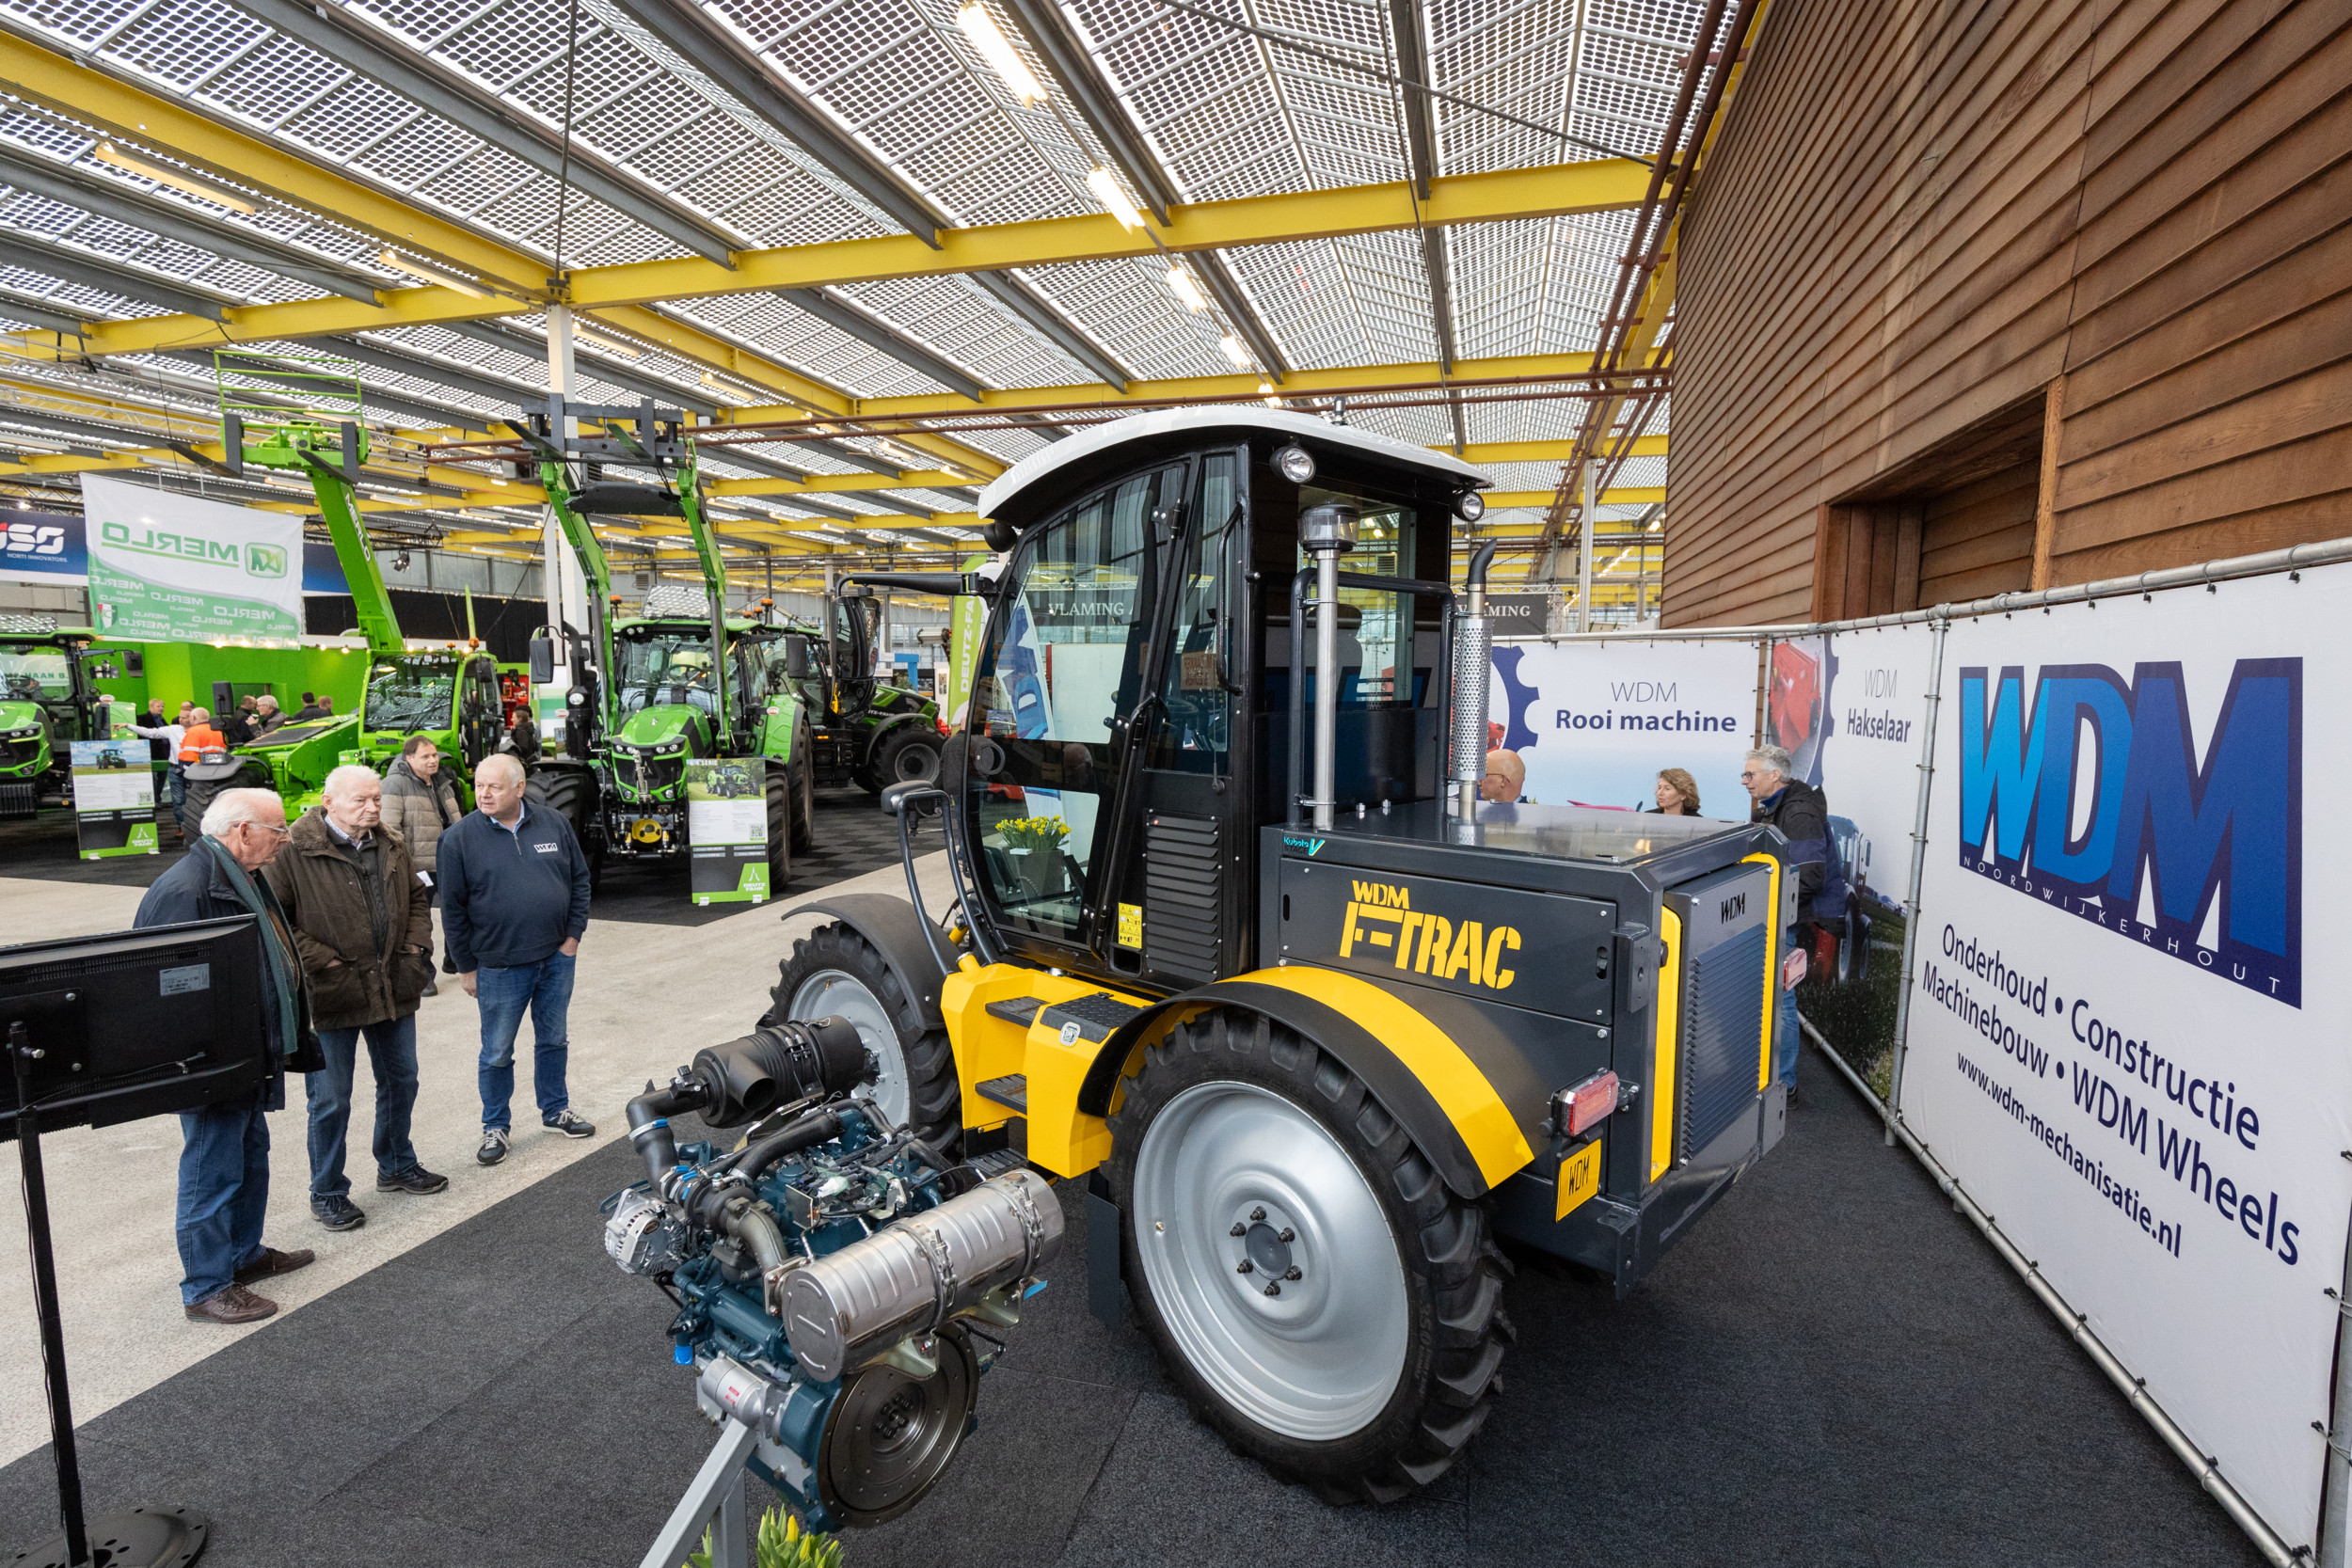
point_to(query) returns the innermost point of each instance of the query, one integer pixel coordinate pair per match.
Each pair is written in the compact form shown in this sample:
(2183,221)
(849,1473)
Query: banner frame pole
(2335,1494)
(1919,869)
(2207,1468)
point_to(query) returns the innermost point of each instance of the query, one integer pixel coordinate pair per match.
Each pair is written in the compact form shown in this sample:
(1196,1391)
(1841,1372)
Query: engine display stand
(717,1489)
(131,1538)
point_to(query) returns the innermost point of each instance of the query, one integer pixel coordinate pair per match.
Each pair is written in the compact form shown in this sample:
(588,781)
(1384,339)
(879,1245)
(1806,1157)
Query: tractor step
(996,1162)
(1095,1015)
(1017,1010)
(1010,1091)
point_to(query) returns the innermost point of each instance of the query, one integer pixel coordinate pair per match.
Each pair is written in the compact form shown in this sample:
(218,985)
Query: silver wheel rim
(831,992)
(1321,1359)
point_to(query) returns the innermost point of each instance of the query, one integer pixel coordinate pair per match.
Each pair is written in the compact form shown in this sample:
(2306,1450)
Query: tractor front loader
(1318,1051)
(679,681)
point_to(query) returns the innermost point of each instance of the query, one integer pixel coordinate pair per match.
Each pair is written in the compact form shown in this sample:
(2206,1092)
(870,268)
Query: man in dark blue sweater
(514,906)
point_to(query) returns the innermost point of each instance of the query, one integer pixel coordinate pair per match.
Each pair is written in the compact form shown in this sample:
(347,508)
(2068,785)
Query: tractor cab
(1128,729)
(47,700)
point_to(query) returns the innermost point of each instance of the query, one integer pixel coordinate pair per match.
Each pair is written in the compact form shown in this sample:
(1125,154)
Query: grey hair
(1776,758)
(232,807)
(266,697)
(503,760)
(347,775)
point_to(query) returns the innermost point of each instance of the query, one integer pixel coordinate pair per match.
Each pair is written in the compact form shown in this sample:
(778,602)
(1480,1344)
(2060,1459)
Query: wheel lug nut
(1259,1213)
(1287,1235)
(1239,1230)
(1291,1274)
(1243,1267)
(1272,1289)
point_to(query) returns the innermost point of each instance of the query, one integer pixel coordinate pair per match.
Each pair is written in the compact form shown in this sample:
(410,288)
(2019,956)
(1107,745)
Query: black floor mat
(1832,1369)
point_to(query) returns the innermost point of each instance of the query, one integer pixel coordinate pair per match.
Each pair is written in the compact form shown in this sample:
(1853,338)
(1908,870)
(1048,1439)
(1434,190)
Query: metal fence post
(1918,867)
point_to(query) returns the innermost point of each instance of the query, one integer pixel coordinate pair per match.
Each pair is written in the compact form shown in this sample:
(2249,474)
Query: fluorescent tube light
(1001,57)
(1180,283)
(107,153)
(423,274)
(1113,196)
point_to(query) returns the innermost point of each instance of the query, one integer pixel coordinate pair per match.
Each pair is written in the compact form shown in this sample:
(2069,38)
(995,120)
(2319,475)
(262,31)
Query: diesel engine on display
(840,1281)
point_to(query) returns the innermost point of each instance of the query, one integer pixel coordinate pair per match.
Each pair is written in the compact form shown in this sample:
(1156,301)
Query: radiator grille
(1722,1038)
(1181,917)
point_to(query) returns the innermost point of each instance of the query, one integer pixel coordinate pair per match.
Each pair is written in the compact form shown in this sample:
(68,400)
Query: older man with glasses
(1800,812)
(224,1163)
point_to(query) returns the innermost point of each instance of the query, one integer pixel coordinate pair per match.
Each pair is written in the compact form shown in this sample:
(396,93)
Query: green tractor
(47,702)
(681,681)
(451,695)
(865,731)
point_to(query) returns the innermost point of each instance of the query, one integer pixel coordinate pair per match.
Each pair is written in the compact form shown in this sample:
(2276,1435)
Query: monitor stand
(134,1538)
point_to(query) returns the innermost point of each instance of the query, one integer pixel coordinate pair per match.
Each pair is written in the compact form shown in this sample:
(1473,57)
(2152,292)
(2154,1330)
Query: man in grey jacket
(419,805)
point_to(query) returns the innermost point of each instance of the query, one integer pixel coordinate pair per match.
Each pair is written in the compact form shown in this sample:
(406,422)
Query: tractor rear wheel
(570,790)
(804,786)
(1314,1291)
(835,971)
(779,791)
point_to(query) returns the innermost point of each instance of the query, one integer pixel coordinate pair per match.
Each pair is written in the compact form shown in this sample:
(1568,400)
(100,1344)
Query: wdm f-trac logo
(2090,795)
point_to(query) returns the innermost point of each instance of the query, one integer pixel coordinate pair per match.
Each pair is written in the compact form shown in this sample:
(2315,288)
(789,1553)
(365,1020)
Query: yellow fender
(1465,1096)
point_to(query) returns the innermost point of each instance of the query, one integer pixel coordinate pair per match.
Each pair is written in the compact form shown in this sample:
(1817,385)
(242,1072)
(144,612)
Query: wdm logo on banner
(2090,797)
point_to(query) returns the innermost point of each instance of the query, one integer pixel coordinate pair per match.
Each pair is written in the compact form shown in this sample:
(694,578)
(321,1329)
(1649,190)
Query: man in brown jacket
(362,927)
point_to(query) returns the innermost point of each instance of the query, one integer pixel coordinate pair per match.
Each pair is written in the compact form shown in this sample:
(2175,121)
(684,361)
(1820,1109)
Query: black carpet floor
(1831,1369)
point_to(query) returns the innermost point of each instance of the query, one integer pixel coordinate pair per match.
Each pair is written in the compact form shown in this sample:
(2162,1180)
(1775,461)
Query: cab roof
(1008,497)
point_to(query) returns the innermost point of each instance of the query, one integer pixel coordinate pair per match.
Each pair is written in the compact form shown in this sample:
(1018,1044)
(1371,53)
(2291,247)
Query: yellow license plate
(1579,1178)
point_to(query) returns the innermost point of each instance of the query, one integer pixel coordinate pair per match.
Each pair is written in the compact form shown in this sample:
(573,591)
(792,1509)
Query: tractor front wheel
(1314,1291)
(835,971)
(909,753)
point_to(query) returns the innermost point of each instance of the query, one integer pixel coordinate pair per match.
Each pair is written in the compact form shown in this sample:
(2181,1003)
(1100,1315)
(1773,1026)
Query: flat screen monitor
(134,1024)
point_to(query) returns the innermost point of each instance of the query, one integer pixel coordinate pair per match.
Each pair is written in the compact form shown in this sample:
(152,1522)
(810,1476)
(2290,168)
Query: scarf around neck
(285,974)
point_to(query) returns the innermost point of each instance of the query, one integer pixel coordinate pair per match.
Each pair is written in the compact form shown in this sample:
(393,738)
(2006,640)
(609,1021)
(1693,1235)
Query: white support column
(566,588)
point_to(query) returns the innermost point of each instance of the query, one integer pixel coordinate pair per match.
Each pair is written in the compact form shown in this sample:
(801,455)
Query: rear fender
(897,932)
(1422,1072)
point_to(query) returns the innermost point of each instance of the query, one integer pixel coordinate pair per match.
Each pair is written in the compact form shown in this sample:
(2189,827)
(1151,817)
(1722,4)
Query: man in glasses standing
(223,1164)
(1800,812)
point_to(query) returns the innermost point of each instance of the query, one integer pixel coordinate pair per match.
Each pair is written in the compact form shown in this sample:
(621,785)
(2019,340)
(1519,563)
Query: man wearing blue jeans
(514,907)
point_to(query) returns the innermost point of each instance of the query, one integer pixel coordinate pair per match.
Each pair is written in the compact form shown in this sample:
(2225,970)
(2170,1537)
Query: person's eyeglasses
(269,828)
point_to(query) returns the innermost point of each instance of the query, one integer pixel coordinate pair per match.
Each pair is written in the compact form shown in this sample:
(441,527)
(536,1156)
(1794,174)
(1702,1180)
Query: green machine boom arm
(328,450)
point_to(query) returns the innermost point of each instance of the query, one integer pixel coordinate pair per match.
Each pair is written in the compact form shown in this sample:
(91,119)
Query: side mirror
(542,660)
(796,658)
(923,797)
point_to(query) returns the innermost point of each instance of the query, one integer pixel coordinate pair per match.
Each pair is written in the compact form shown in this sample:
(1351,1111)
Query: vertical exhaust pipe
(1473,647)
(1324,532)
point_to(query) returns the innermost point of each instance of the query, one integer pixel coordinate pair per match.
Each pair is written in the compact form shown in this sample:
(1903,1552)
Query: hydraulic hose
(803,1133)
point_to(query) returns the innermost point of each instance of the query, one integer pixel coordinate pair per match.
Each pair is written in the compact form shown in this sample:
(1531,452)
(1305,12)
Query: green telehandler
(683,679)
(451,695)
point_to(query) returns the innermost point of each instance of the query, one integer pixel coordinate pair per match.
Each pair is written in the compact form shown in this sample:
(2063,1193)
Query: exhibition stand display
(2112,1046)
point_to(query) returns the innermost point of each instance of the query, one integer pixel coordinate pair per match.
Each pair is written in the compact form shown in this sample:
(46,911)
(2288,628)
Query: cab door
(1061,674)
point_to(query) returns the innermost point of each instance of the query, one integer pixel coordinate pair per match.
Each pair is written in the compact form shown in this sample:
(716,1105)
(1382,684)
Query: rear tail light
(1793,969)
(1577,1111)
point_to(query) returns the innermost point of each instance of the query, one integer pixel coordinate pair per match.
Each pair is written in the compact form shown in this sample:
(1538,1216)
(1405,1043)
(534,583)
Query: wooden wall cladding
(1921,214)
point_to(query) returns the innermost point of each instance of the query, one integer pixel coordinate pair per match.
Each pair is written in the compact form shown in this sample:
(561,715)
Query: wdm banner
(2116,1044)
(174,568)
(726,830)
(1594,723)
(114,798)
(1865,755)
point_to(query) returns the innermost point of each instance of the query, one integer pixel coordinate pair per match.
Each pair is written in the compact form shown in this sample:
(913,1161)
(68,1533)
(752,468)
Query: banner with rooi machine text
(1594,723)
(2128,1036)
(174,568)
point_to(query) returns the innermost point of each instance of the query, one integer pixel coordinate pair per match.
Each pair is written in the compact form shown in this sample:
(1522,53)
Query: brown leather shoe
(273,1261)
(235,1304)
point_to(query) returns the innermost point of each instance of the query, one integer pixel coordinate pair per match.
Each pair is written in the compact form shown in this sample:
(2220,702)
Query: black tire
(1853,946)
(803,790)
(911,752)
(779,790)
(836,953)
(570,790)
(1452,1274)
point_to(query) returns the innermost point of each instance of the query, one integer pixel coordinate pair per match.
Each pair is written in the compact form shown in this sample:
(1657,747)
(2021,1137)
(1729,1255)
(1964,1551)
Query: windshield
(658,667)
(410,697)
(32,673)
(1060,667)
(1375,627)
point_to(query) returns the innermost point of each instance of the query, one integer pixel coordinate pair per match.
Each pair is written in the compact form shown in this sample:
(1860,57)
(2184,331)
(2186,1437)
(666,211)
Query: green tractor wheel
(1314,1291)
(802,774)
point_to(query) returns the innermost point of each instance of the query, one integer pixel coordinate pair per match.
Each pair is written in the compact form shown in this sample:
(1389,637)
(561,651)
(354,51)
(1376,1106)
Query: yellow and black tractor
(1237,944)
